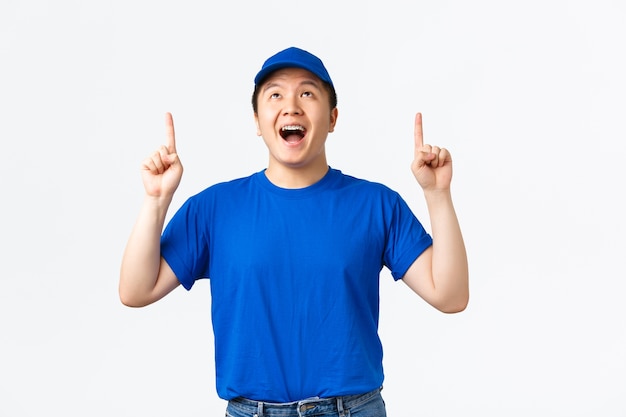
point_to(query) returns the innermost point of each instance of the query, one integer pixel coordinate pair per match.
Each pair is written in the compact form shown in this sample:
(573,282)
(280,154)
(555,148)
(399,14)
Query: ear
(256,122)
(333,119)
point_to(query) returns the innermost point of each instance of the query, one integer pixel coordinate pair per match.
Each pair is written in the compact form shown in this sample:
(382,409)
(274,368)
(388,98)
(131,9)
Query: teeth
(292,127)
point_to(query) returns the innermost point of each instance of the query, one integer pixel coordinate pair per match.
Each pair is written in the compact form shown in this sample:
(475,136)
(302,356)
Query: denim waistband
(309,406)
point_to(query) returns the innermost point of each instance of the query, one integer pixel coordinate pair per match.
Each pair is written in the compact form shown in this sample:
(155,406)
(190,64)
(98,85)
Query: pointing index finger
(419,132)
(169,131)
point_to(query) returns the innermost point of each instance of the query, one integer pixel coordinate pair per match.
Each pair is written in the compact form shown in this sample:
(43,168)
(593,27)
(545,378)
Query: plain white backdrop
(530,98)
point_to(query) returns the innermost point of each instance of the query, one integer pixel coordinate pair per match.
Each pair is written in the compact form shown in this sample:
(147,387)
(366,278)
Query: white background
(530,98)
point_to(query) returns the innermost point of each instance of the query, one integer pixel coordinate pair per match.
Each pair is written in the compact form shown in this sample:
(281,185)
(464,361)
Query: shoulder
(362,185)
(218,194)
(225,187)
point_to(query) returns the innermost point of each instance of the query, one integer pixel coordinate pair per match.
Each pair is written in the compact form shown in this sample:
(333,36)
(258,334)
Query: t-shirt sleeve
(407,239)
(184,244)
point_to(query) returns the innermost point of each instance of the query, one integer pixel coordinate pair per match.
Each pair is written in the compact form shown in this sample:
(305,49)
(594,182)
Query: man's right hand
(161,172)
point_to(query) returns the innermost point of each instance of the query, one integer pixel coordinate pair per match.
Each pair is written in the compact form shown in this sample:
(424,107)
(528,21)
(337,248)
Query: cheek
(262,125)
(265,124)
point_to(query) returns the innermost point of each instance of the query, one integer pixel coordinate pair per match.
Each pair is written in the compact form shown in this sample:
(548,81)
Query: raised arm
(144,276)
(440,274)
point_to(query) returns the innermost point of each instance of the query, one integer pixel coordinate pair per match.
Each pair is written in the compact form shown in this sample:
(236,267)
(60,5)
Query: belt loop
(340,407)
(259,412)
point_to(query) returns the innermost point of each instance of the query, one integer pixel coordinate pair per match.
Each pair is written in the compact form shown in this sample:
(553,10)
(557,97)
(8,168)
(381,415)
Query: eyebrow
(310,82)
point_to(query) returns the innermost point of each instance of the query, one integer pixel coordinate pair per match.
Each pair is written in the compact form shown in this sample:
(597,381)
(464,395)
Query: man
(294,252)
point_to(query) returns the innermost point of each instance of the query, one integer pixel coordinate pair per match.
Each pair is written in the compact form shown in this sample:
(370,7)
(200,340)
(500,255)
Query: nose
(292,106)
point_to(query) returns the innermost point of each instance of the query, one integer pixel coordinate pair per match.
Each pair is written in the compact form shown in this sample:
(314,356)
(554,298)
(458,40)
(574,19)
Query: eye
(274,95)
(307,94)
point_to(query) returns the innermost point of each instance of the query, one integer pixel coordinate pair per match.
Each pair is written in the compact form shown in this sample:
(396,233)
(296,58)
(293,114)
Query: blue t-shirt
(294,277)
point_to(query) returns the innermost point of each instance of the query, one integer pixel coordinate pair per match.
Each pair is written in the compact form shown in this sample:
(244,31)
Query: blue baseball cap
(294,58)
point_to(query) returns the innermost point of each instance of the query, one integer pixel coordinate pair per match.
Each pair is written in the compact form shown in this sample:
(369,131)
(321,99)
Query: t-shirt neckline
(325,182)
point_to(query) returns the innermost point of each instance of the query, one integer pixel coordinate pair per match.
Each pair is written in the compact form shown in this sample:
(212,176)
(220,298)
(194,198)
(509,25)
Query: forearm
(449,258)
(142,256)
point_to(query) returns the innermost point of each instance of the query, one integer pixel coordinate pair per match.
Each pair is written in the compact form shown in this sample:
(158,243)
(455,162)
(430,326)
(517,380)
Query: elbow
(453,309)
(129,300)
(130,294)
(455,300)
(453,306)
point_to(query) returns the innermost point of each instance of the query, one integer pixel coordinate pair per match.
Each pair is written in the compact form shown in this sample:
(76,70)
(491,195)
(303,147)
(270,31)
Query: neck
(288,177)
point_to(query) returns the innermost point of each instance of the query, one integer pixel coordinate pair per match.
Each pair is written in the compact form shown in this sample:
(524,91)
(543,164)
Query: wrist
(436,199)
(157,204)
(437,194)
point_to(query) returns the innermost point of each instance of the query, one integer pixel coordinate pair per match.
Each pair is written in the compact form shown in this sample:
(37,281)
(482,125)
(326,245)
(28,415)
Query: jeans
(370,404)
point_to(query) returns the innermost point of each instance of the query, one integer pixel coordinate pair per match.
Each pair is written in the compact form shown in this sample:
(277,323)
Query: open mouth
(292,133)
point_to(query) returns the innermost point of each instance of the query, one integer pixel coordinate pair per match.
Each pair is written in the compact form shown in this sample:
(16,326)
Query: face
(294,119)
